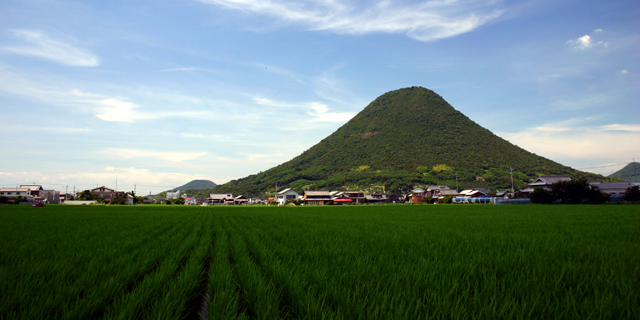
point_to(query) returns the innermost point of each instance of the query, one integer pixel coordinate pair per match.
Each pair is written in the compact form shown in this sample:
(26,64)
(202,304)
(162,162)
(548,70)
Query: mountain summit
(405,138)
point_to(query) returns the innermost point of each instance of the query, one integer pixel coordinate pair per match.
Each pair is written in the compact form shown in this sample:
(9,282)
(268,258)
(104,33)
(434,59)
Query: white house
(173,195)
(286,194)
(15,192)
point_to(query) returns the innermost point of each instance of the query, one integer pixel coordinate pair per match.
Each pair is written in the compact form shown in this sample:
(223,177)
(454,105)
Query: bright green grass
(351,262)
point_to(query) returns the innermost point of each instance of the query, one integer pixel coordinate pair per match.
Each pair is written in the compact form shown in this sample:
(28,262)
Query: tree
(575,192)
(571,192)
(178,200)
(632,194)
(541,195)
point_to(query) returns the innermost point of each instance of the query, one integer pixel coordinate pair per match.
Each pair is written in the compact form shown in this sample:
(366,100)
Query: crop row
(320,263)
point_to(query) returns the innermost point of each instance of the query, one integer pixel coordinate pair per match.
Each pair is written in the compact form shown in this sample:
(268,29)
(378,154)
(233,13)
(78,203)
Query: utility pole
(635,174)
(66,191)
(511,171)
(134,189)
(456,182)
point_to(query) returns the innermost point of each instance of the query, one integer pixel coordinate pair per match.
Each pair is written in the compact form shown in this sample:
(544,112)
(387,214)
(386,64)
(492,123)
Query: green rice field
(332,262)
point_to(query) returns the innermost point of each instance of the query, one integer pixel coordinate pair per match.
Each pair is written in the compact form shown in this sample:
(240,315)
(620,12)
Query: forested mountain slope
(402,139)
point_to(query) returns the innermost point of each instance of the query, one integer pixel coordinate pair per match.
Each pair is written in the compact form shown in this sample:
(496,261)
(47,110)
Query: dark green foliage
(87,195)
(541,196)
(178,200)
(405,138)
(576,192)
(632,193)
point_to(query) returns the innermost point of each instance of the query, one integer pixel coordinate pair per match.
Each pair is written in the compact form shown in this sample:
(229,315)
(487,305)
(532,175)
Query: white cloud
(572,142)
(163,155)
(425,21)
(143,180)
(624,71)
(39,44)
(586,42)
(119,111)
(621,127)
(319,112)
(105,107)
(583,42)
(598,30)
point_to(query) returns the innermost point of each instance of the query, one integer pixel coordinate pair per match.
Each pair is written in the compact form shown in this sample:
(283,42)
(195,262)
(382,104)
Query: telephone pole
(511,171)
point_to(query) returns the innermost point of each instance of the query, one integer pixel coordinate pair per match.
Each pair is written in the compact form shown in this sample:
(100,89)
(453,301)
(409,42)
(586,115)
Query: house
(241,200)
(190,201)
(105,193)
(377,197)
(130,199)
(615,189)
(257,200)
(221,199)
(355,196)
(35,189)
(395,197)
(173,195)
(417,195)
(317,197)
(15,192)
(339,198)
(546,182)
(435,191)
(286,195)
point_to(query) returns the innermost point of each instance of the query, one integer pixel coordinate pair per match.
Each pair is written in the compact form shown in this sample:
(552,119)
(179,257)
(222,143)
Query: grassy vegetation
(352,262)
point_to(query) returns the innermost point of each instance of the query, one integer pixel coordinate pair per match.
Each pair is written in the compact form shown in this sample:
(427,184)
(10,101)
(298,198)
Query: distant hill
(405,138)
(191,187)
(628,173)
(196,185)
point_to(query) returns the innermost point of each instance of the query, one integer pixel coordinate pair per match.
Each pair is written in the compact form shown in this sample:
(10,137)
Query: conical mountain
(405,138)
(630,172)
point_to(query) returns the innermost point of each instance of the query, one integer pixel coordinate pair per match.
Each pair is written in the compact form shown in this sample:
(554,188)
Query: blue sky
(157,93)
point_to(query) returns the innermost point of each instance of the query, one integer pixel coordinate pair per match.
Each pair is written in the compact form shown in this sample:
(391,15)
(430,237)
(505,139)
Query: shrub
(541,196)
(632,193)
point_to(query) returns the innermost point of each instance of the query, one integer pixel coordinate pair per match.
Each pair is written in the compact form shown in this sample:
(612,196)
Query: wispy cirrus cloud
(319,112)
(37,43)
(162,155)
(423,21)
(574,140)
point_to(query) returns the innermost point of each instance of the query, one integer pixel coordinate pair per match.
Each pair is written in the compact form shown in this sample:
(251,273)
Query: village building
(241,200)
(15,192)
(174,195)
(616,190)
(285,195)
(417,195)
(105,193)
(221,199)
(317,197)
(376,197)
